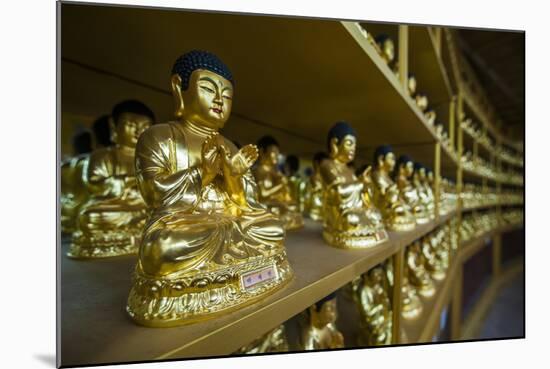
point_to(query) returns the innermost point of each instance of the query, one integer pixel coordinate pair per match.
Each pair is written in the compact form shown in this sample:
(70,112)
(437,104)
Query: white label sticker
(259,276)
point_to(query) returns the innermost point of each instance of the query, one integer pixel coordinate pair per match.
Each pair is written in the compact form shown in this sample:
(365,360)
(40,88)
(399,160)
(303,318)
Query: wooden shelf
(424,327)
(95,328)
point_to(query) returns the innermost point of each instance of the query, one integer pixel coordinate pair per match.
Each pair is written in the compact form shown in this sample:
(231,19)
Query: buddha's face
(430,176)
(389,162)
(422,173)
(328,313)
(412,85)
(129,127)
(377,276)
(344,150)
(207,100)
(389,49)
(408,168)
(271,155)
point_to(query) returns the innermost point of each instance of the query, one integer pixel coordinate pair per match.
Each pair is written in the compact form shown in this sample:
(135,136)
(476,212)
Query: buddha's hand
(242,160)
(210,163)
(366,176)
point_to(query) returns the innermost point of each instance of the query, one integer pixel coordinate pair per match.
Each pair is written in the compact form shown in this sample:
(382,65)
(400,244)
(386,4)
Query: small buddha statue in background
(112,219)
(349,218)
(274,187)
(416,272)
(424,192)
(74,190)
(371,294)
(320,332)
(273,341)
(421,101)
(411,85)
(411,306)
(314,189)
(295,181)
(430,115)
(396,212)
(386,49)
(208,247)
(409,194)
(432,261)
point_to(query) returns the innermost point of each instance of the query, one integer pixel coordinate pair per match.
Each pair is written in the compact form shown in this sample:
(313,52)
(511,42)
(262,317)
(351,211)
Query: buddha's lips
(216,110)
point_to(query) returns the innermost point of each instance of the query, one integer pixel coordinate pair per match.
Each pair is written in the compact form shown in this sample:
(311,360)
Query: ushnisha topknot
(382,150)
(199,59)
(404,159)
(340,130)
(266,141)
(131,106)
(329,297)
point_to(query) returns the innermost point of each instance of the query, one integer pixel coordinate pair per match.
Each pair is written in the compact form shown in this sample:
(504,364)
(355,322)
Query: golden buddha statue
(432,261)
(424,191)
(386,49)
(396,212)
(73,182)
(273,341)
(411,306)
(349,218)
(416,272)
(295,181)
(314,189)
(111,221)
(421,100)
(371,294)
(274,189)
(208,247)
(321,332)
(411,85)
(407,191)
(430,115)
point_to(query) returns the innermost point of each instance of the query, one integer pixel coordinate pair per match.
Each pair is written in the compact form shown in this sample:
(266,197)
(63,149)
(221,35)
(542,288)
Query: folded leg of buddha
(348,221)
(111,221)
(205,250)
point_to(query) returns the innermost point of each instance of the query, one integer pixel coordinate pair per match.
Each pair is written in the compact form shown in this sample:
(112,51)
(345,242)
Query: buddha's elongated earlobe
(333,147)
(175,82)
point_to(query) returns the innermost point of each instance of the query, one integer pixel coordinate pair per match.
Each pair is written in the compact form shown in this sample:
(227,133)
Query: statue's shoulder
(157,135)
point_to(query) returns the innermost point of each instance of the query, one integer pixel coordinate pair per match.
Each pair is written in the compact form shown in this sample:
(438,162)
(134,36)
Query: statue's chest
(124,164)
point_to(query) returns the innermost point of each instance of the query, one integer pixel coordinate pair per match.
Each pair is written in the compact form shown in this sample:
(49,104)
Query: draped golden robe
(199,242)
(74,191)
(111,220)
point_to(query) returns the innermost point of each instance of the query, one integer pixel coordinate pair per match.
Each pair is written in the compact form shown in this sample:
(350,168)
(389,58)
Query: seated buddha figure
(274,189)
(432,261)
(273,341)
(371,295)
(208,246)
(411,306)
(320,331)
(111,221)
(395,211)
(314,189)
(349,218)
(296,182)
(424,191)
(407,191)
(416,272)
(386,49)
(73,182)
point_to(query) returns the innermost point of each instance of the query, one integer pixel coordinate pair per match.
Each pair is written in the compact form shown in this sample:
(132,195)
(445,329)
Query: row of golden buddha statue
(474,225)
(427,261)
(208,219)
(474,196)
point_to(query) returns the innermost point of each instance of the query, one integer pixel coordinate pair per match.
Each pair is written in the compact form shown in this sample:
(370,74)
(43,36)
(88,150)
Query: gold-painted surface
(112,219)
(273,341)
(350,218)
(207,236)
(74,191)
(416,272)
(425,191)
(298,190)
(395,212)
(371,294)
(409,193)
(314,195)
(275,190)
(411,306)
(320,331)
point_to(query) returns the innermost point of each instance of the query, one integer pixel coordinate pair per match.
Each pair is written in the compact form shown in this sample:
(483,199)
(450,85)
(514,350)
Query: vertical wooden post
(456,306)
(437,177)
(452,122)
(398,265)
(437,39)
(404,55)
(497,252)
